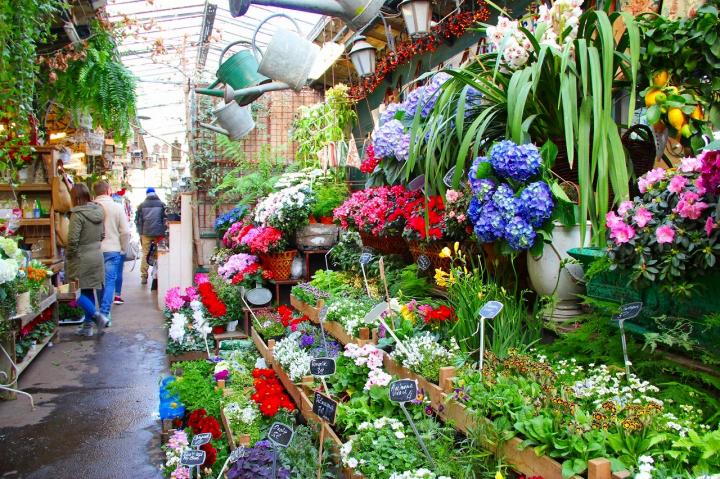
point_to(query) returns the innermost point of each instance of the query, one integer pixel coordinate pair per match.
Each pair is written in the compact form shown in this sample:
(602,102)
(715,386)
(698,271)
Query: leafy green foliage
(328,197)
(196,388)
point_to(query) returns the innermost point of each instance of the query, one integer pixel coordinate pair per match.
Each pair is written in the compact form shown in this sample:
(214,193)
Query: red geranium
(200,422)
(195,418)
(417,228)
(211,301)
(371,161)
(269,393)
(210,454)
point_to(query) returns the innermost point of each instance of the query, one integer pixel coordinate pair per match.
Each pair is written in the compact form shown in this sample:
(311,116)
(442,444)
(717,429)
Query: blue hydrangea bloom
(472,174)
(431,93)
(410,105)
(390,112)
(387,137)
(402,148)
(519,234)
(474,209)
(507,203)
(483,189)
(489,224)
(515,162)
(536,203)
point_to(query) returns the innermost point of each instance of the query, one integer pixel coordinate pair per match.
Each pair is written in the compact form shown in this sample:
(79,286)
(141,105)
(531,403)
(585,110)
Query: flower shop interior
(437,239)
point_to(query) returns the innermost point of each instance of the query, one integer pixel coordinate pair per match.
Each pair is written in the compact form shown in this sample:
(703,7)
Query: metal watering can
(288,57)
(235,120)
(239,71)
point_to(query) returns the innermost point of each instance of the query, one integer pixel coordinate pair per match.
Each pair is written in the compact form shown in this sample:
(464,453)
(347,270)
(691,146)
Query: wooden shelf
(25,319)
(35,222)
(27,187)
(31,355)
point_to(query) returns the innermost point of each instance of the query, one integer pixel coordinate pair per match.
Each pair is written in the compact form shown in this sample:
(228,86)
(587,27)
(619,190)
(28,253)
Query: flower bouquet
(512,203)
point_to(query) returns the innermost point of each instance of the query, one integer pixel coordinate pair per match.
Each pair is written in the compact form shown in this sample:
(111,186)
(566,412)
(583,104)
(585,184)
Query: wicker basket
(642,149)
(387,245)
(432,251)
(279,264)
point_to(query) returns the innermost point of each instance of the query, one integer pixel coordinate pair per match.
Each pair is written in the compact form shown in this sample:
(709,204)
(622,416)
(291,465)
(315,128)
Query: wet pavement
(96,401)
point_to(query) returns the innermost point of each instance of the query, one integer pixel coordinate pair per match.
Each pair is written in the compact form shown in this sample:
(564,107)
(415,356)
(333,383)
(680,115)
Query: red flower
(269,393)
(371,161)
(211,301)
(195,417)
(286,314)
(210,454)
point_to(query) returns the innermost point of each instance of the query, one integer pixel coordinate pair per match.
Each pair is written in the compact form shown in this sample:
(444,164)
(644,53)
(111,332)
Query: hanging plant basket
(386,245)
(279,264)
(432,251)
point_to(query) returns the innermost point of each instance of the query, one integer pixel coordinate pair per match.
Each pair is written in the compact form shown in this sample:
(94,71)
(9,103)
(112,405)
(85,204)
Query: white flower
(8,270)
(177,328)
(399,434)
(352,463)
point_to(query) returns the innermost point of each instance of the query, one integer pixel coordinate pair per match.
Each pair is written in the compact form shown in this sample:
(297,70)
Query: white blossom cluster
(304,177)
(424,349)
(293,359)
(418,474)
(380,423)
(602,385)
(246,414)
(278,205)
(200,322)
(350,314)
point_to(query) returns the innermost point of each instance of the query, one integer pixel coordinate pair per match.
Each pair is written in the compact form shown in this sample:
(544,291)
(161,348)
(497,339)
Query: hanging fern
(98,84)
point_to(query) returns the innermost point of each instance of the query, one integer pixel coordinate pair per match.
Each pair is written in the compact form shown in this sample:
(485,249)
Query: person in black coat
(150,220)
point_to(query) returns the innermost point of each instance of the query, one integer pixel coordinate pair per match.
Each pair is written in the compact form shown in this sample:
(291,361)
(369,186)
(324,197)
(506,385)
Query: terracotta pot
(218,329)
(279,264)
(326,220)
(312,220)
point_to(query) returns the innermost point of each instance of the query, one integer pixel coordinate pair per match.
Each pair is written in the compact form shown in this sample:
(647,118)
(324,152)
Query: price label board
(628,311)
(322,367)
(491,309)
(403,390)
(280,434)
(192,458)
(237,454)
(365,257)
(325,408)
(423,262)
(417,183)
(200,439)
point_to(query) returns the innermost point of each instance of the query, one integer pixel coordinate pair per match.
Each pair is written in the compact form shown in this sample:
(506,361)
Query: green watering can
(239,72)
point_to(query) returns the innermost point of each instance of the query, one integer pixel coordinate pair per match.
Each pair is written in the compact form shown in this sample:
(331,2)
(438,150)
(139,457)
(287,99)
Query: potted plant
(226,220)
(34,283)
(11,257)
(327,198)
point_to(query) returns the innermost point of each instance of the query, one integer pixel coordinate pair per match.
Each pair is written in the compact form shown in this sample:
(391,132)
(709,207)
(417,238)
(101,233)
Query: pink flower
(624,207)
(700,186)
(173,301)
(201,278)
(690,165)
(677,184)
(452,196)
(642,217)
(689,206)
(709,226)
(612,220)
(622,233)
(461,217)
(665,234)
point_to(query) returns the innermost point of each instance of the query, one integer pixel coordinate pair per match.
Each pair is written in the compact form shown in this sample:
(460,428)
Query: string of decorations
(454,26)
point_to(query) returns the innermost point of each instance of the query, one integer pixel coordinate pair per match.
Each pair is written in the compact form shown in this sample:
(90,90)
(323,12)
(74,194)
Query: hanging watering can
(239,71)
(288,57)
(235,120)
(228,94)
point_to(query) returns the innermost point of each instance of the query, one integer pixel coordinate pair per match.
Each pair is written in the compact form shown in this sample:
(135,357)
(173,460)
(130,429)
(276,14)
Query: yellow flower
(406,314)
(445,253)
(498,475)
(441,278)
(456,246)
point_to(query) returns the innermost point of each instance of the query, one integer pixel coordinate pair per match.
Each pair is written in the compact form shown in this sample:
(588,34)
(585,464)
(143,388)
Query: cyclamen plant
(511,202)
(671,233)
(378,211)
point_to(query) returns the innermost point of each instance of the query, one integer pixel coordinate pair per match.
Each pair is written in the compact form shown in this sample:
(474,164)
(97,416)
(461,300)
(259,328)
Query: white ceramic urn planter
(564,284)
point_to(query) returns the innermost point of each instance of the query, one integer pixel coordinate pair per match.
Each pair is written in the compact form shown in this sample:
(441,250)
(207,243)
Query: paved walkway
(96,401)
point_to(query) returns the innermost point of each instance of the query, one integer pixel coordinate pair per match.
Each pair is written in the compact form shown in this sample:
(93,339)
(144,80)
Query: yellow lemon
(685,131)
(697,114)
(650,99)
(660,78)
(676,118)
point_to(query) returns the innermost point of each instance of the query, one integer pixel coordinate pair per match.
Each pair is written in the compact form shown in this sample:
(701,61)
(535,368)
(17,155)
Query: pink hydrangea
(677,184)
(174,300)
(622,233)
(689,206)
(665,234)
(642,217)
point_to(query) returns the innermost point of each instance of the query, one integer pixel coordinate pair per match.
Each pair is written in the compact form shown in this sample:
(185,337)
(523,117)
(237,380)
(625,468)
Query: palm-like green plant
(564,95)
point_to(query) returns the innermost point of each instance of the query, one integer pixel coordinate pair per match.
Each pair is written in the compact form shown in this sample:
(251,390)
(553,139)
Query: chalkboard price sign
(322,367)
(448,178)
(200,439)
(423,262)
(491,309)
(628,311)
(365,257)
(192,458)
(325,408)
(237,454)
(417,183)
(280,434)
(403,390)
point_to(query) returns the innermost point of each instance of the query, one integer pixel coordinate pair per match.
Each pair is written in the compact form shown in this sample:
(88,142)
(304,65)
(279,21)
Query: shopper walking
(119,198)
(114,244)
(84,255)
(150,221)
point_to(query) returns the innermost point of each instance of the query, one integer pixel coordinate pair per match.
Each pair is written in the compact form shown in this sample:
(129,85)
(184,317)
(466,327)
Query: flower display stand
(312,312)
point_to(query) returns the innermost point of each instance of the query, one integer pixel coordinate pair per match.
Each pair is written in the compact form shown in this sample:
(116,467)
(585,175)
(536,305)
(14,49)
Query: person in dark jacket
(84,257)
(150,221)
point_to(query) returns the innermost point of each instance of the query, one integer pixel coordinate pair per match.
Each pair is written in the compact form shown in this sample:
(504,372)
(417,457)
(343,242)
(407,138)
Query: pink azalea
(677,184)
(689,206)
(622,233)
(612,220)
(624,207)
(643,185)
(690,165)
(665,234)
(653,176)
(201,278)
(642,217)
(709,226)
(700,186)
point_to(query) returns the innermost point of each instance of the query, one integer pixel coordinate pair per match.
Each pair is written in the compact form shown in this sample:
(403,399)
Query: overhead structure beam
(205,31)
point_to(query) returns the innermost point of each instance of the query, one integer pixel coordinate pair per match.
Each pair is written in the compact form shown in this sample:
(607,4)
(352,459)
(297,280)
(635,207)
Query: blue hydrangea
(431,93)
(474,209)
(489,225)
(483,189)
(410,105)
(519,234)
(515,162)
(536,203)
(507,203)
(390,112)
(402,148)
(387,137)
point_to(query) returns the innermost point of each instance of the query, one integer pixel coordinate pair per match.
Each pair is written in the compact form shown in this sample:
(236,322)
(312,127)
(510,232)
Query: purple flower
(474,209)
(519,234)
(490,223)
(387,138)
(390,112)
(402,149)
(479,184)
(306,340)
(536,203)
(516,162)
(431,93)
(461,395)
(507,203)
(473,101)
(410,105)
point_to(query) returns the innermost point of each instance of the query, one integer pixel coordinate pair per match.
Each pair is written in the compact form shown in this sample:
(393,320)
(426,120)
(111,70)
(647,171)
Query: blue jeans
(119,279)
(86,301)
(113,263)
